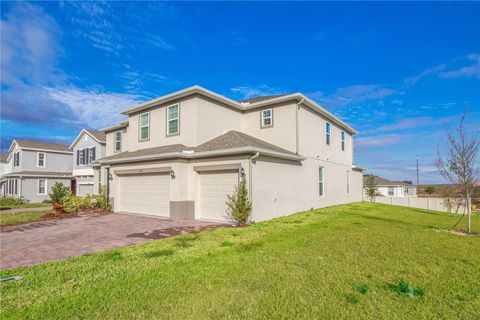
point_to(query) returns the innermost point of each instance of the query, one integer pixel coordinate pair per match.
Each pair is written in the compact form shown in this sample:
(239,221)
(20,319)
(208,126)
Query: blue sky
(400,73)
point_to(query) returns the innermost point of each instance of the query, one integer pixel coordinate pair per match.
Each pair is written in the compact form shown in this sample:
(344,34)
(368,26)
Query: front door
(73,186)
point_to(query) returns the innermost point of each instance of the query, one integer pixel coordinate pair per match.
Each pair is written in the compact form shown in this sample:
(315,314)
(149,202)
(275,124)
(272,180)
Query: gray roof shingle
(42,145)
(3,157)
(99,135)
(384,182)
(262,98)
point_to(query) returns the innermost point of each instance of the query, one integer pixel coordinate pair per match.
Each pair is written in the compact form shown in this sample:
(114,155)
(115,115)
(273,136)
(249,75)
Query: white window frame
(140,127)
(16,158)
(90,155)
(393,191)
(119,141)
(321,182)
(44,160)
(81,157)
(343,140)
(328,129)
(263,118)
(173,119)
(38,187)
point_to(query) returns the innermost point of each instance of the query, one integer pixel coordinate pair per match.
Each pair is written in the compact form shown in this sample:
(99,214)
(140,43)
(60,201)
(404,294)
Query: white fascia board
(121,125)
(80,134)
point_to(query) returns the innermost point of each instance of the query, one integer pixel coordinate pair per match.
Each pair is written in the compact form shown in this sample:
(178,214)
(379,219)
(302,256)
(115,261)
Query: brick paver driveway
(52,240)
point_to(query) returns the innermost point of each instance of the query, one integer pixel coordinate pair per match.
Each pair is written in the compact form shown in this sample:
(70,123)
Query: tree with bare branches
(458,162)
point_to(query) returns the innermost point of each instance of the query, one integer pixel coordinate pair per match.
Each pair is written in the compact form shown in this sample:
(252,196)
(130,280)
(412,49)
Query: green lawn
(22,217)
(25,205)
(339,262)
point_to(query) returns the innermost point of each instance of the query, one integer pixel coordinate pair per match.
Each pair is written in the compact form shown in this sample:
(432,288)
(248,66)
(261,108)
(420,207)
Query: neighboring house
(388,188)
(3,171)
(33,167)
(180,155)
(87,147)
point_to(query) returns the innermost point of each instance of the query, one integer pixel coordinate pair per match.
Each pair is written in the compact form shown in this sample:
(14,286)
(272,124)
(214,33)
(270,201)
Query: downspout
(250,160)
(296,126)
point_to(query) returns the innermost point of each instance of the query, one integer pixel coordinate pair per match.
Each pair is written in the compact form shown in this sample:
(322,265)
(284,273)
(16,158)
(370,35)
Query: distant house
(389,188)
(3,170)
(87,147)
(33,167)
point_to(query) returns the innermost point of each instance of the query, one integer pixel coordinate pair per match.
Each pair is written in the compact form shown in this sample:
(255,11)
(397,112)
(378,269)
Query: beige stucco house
(180,155)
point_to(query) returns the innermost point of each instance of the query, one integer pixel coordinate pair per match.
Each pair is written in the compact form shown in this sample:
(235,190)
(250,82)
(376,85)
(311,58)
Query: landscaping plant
(371,188)
(430,190)
(6,201)
(60,193)
(239,206)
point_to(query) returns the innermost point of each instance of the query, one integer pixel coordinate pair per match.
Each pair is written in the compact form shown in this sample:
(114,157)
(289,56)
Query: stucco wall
(110,138)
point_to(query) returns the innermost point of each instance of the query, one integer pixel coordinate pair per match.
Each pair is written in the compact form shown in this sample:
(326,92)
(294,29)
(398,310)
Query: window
(81,156)
(348,182)
(144,126)
(40,159)
(173,120)
(16,159)
(321,182)
(15,187)
(343,141)
(118,141)
(327,131)
(267,116)
(391,191)
(42,186)
(91,155)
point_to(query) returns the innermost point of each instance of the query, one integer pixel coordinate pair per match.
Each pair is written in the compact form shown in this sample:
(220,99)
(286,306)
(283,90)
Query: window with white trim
(91,155)
(16,159)
(81,156)
(144,126)
(173,119)
(327,132)
(343,140)
(41,159)
(267,118)
(321,181)
(118,141)
(391,191)
(42,186)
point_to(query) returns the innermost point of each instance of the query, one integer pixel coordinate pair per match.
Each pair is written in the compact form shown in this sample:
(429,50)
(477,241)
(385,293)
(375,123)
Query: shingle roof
(3,157)
(42,145)
(384,182)
(99,135)
(229,140)
(261,98)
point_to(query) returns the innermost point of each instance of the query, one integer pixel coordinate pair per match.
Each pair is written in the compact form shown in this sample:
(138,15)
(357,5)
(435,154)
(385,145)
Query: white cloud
(470,71)
(379,141)
(245,92)
(425,73)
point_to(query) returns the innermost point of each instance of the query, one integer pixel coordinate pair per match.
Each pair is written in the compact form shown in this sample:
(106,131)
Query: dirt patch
(464,233)
(174,231)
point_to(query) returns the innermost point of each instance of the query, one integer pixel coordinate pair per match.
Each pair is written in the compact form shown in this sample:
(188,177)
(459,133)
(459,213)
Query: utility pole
(417,170)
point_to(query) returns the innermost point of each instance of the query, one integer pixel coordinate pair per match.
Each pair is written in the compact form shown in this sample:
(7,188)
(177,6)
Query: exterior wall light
(172,174)
(242,171)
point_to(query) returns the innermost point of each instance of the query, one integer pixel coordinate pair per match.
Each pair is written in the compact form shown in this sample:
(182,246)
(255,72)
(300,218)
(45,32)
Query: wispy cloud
(425,73)
(245,92)
(379,141)
(470,71)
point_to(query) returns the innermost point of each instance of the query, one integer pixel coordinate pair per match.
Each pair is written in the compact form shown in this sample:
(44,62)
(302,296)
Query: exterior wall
(410,191)
(110,141)
(282,133)
(397,191)
(3,168)
(10,167)
(86,141)
(276,185)
(55,162)
(29,188)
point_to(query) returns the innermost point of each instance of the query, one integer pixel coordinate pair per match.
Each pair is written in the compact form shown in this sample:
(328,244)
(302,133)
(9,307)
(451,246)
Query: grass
(25,205)
(22,217)
(350,261)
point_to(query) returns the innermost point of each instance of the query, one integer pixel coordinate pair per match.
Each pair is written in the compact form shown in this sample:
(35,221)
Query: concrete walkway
(43,241)
(25,210)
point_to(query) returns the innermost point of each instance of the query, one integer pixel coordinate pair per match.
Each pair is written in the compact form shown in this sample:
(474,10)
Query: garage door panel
(146,194)
(214,187)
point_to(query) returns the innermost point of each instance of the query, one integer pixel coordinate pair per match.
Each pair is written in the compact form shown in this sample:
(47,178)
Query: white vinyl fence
(437,204)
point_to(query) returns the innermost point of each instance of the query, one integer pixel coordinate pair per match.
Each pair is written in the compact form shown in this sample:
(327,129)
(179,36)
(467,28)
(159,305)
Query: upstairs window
(80,157)
(173,120)
(91,155)
(267,118)
(144,126)
(118,141)
(327,131)
(16,159)
(321,182)
(40,159)
(343,141)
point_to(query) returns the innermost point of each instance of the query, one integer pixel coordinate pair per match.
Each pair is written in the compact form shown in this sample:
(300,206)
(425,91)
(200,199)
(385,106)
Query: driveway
(44,241)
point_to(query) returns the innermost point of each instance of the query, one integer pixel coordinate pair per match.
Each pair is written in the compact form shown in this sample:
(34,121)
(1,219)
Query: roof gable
(98,136)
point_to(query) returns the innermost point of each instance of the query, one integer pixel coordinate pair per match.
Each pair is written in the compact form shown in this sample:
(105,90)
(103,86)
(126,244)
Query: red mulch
(68,215)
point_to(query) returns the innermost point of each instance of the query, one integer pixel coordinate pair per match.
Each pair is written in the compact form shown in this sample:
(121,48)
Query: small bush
(353,299)
(74,204)
(403,287)
(10,201)
(101,201)
(60,193)
(239,207)
(362,289)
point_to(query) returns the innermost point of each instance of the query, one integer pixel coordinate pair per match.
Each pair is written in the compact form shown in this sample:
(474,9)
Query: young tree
(430,190)
(371,188)
(60,193)
(239,207)
(458,162)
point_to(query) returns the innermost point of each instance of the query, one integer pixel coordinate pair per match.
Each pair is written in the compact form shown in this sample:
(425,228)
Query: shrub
(101,201)
(91,201)
(58,208)
(10,201)
(73,204)
(239,207)
(60,193)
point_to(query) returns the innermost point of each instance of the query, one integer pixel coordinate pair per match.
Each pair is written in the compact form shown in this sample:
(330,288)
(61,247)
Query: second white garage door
(146,194)
(214,187)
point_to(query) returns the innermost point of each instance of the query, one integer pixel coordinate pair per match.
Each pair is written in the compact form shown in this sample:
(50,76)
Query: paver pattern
(44,241)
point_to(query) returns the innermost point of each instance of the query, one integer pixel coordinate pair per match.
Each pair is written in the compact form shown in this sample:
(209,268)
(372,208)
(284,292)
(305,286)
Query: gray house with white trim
(87,147)
(33,167)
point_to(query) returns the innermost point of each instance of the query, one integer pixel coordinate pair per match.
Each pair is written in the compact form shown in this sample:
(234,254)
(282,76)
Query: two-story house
(3,170)
(87,147)
(180,155)
(33,167)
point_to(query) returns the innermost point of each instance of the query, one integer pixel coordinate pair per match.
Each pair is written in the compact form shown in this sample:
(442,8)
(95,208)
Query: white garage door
(214,187)
(145,194)
(84,189)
